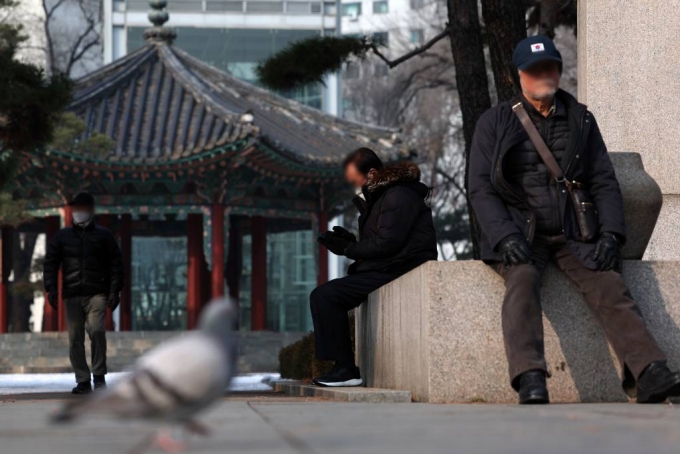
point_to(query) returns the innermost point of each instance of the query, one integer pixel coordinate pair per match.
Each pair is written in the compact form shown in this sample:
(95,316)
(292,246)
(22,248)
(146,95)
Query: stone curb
(358,394)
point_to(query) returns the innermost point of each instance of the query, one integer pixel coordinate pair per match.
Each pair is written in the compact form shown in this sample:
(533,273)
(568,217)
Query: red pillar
(217,249)
(106,220)
(125,307)
(258,292)
(194,255)
(322,276)
(50,316)
(5,271)
(68,221)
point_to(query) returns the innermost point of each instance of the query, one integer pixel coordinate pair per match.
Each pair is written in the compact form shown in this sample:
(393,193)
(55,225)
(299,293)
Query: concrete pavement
(272,423)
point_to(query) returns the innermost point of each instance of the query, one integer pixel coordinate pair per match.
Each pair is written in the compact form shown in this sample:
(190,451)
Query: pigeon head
(218,318)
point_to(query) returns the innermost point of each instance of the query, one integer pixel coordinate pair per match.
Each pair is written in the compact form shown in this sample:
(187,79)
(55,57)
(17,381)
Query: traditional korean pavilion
(213,184)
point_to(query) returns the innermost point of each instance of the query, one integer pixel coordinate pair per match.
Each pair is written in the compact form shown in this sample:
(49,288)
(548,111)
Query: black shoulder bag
(586,214)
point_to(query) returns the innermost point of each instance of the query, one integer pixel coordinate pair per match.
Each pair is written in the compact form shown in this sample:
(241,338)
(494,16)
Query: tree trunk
(472,84)
(548,20)
(505,26)
(21,300)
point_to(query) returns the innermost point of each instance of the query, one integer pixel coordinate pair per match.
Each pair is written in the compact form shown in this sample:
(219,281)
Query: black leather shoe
(532,388)
(99,383)
(657,383)
(82,388)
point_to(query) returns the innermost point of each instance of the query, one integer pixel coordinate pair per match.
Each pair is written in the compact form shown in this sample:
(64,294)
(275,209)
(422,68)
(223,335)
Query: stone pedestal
(436,332)
(627,72)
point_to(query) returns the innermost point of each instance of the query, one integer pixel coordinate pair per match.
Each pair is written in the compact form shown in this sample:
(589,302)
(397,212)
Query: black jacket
(501,208)
(395,224)
(90,260)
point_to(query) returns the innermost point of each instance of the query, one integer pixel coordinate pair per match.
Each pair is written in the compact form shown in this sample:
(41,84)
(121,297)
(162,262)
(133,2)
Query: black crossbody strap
(539,143)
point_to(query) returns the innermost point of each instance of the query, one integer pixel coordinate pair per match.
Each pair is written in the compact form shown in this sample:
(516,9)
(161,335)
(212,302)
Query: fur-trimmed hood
(400,173)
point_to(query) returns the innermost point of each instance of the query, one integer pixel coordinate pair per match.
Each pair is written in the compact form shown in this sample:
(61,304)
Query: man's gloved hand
(342,232)
(607,254)
(515,250)
(334,243)
(53,299)
(113,301)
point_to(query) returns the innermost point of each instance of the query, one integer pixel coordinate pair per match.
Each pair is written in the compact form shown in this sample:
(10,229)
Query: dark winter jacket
(501,207)
(395,224)
(526,169)
(90,260)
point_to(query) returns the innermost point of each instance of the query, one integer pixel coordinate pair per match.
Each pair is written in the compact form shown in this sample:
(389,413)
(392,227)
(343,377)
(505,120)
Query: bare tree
(72,31)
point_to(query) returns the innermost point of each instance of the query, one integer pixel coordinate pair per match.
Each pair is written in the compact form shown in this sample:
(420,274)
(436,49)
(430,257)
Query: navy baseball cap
(534,49)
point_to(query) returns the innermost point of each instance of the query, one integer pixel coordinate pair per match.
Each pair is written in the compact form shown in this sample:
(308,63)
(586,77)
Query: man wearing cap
(524,207)
(92,270)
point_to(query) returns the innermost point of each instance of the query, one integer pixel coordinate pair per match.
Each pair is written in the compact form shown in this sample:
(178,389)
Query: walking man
(92,270)
(396,235)
(543,189)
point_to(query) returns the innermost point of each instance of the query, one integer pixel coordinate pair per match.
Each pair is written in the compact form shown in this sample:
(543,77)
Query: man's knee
(320,294)
(523,275)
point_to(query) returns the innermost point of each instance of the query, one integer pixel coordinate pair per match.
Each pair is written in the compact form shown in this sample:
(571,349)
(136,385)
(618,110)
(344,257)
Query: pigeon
(173,382)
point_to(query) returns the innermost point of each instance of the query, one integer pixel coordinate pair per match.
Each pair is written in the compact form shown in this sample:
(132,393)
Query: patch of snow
(58,383)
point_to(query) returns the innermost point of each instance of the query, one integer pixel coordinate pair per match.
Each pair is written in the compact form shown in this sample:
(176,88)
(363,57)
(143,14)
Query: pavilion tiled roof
(161,104)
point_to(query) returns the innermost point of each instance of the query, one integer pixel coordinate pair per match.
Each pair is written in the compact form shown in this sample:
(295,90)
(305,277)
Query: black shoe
(83,387)
(99,383)
(340,376)
(532,388)
(657,383)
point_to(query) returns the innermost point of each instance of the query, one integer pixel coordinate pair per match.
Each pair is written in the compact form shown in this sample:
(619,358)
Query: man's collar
(558,107)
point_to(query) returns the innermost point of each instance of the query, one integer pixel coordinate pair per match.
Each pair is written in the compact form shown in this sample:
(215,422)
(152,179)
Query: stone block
(356,394)
(436,332)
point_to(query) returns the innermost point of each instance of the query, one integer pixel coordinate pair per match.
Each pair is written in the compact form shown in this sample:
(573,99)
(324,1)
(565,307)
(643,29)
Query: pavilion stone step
(48,352)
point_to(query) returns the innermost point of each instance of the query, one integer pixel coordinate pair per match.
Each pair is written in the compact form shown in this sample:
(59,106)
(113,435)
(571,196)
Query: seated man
(523,204)
(397,234)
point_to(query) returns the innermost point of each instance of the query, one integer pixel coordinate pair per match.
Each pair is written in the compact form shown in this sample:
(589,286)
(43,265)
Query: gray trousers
(86,313)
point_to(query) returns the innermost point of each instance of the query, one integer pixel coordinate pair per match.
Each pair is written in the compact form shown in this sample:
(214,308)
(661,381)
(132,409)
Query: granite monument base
(436,332)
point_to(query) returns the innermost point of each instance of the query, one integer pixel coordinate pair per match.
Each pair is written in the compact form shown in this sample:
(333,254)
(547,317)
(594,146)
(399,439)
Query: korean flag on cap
(538,47)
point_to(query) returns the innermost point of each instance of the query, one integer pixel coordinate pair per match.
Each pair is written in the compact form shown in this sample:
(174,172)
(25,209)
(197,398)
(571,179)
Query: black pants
(330,303)
(605,293)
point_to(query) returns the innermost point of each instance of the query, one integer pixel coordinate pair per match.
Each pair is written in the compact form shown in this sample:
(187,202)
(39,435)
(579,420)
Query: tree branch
(407,56)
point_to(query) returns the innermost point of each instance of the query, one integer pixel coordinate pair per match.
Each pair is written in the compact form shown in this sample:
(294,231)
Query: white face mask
(81,217)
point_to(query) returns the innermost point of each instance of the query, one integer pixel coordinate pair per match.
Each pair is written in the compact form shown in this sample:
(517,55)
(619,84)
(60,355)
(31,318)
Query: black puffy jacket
(525,168)
(395,224)
(90,260)
(501,207)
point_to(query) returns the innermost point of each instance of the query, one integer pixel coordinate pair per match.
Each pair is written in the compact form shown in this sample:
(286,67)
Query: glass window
(291,276)
(351,9)
(380,7)
(381,38)
(417,36)
(159,283)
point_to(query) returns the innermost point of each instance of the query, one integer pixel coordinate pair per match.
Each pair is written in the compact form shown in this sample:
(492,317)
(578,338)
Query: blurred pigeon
(174,381)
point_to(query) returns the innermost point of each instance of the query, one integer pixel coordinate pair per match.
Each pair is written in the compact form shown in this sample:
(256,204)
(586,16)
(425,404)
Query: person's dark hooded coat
(90,259)
(395,224)
(502,209)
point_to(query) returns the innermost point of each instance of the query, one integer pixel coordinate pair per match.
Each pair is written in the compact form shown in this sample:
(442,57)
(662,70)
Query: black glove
(607,252)
(342,232)
(334,243)
(53,299)
(113,301)
(515,250)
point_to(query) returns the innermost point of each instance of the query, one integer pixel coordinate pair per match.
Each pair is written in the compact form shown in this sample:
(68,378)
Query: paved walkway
(275,424)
